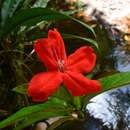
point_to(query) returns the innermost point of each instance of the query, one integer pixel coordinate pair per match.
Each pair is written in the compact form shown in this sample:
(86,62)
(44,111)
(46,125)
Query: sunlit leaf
(115,81)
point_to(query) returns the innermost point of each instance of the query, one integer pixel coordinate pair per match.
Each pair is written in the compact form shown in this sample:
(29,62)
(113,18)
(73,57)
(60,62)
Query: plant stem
(77,102)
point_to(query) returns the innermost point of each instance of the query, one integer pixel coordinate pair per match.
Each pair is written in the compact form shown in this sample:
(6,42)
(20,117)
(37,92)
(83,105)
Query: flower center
(61,65)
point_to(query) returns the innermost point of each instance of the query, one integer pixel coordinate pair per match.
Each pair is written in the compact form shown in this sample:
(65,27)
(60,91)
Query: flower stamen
(60,65)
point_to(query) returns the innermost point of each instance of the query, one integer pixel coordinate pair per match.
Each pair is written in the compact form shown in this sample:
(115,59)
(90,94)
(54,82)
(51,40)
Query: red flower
(52,53)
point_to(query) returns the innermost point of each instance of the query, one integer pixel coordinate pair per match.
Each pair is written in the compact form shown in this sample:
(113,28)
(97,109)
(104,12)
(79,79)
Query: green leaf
(63,94)
(115,81)
(77,102)
(35,109)
(85,25)
(15,5)
(5,11)
(28,16)
(70,36)
(8,9)
(22,89)
(33,16)
(26,4)
(43,115)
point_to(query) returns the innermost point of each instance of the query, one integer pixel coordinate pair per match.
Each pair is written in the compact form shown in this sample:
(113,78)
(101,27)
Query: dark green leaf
(14,6)
(22,89)
(42,115)
(26,16)
(8,9)
(26,3)
(63,94)
(27,111)
(85,25)
(5,11)
(35,15)
(69,36)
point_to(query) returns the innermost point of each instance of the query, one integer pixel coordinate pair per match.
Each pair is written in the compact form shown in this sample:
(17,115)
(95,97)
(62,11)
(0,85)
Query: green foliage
(115,81)
(86,26)
(69,36)
(63,94)
(22,89)
(43,115)
(31,114)
(15,4)
(8,9)
(5,11)
(30,17)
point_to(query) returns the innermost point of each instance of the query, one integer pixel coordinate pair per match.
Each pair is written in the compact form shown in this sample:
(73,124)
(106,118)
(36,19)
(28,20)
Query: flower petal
(83,60)
(78,85)
(59,46)
(44,51)
(51,50)
(44,84)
